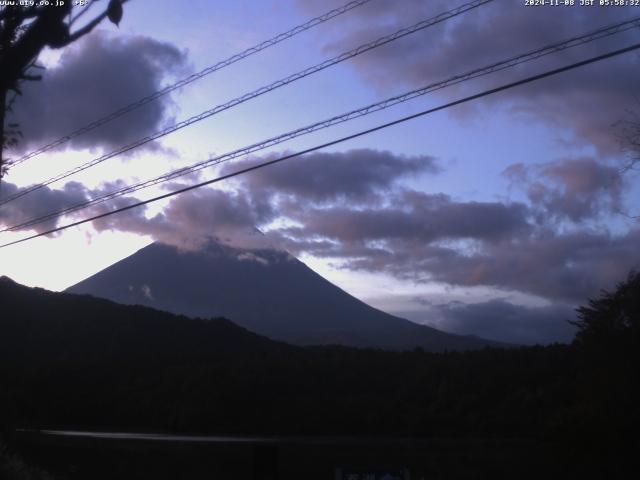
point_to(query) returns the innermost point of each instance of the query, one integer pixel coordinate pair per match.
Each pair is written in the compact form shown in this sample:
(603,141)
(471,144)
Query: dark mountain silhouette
(266,291)
(83,363)
(38,325)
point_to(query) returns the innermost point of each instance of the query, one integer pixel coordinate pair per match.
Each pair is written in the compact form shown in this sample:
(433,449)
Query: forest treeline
(70,361)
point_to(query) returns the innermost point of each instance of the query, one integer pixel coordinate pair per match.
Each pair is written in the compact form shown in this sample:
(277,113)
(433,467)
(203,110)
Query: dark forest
(70,361)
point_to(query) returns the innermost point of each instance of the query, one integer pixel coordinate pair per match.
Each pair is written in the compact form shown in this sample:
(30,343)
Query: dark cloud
(576,188)
(265,194)
(191,218)
(94,77)
(568,267)
(355,175)
(505,322)
(410,218)
(38,203)
(587,101)
(46,200)
(425,237)
(373,227)
(229,216)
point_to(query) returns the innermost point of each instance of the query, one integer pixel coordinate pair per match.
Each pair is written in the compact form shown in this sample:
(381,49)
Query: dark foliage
(77,361)
(611,323)
(608,356)
(12,467)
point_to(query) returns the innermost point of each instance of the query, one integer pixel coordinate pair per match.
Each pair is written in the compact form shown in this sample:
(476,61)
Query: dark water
(70,454)
(162,437)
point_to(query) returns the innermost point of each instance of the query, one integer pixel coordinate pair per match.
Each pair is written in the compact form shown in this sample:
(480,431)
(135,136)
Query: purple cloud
(354,175)
(587,101)
(38,203)
(106,73)
(576,188)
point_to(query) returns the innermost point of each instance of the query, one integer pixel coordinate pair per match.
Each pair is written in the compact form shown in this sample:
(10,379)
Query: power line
(256,93)
(495,67)
(192,78)
(507,86)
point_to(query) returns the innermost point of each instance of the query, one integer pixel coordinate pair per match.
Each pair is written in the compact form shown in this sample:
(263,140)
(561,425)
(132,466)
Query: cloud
(39,203)
(374,223)
(565,267)
(432,237)
(265,194)
(506,322)
(576,188)
(354,175)
(234,217)
(94,77)
(46,200)
(252,257)
(586,101)
(409,218)
(191,219)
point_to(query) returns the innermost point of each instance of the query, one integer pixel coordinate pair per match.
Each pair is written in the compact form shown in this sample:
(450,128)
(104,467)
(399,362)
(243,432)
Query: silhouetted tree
(606,416)
(24,32)
(612,322)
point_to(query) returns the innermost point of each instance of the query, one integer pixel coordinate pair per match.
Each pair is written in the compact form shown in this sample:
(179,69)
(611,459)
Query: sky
(494,218)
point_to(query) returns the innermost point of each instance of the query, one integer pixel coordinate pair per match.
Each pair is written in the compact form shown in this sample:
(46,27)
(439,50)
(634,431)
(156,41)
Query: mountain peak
(4,280)
(264,290)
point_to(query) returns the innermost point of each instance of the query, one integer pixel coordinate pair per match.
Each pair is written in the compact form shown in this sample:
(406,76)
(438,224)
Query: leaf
(114,11)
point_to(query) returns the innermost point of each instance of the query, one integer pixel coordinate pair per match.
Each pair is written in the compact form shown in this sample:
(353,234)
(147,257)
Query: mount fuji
(266,291)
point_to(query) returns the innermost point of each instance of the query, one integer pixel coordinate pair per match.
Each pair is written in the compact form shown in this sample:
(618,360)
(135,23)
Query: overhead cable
(251,95)
(485,93)
(360,112)
(192,78)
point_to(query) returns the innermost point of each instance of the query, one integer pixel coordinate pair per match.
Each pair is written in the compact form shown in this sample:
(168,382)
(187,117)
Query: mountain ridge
(266,291)
(44,324)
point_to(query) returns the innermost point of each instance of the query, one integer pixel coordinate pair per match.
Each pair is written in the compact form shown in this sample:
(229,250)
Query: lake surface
(98,455)
(233,440)
(154,437)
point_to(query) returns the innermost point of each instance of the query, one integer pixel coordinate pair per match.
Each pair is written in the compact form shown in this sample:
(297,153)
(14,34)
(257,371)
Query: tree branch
(86,29)
(89,27)
(82,12)
(31,78)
